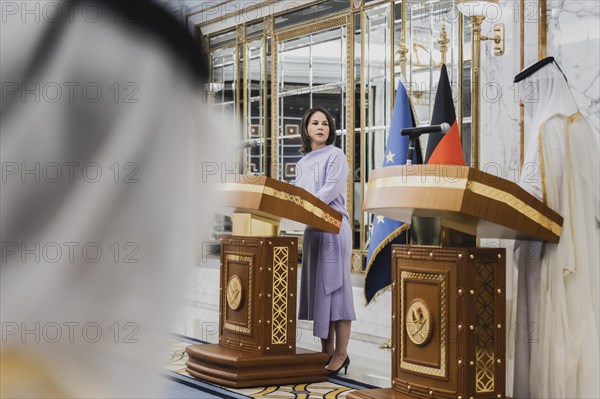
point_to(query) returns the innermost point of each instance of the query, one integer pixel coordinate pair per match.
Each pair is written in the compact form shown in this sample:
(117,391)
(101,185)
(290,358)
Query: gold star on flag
(390,157)
(380,219)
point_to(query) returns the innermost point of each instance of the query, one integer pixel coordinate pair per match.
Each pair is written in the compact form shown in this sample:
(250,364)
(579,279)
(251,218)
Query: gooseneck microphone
(412,131)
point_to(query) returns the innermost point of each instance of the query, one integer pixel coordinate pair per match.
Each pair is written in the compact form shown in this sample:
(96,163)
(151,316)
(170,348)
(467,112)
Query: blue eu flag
(386,231)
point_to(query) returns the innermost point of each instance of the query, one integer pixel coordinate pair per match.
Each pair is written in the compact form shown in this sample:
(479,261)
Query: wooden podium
(257,299)
(448,301)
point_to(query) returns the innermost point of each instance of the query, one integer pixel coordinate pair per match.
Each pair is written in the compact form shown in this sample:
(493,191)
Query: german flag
(444,149)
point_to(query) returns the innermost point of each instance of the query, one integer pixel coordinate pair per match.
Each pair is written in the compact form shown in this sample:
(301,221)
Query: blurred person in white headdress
(104,134)
(557,296)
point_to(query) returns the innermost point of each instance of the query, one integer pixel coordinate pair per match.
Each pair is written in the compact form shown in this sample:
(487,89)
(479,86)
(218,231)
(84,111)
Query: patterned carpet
(335,388)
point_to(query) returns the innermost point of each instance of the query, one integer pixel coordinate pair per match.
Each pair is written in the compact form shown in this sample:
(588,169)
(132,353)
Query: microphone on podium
(412,131)
(247,144)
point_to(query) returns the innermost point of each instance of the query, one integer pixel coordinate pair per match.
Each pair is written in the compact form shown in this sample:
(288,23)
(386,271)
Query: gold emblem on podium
(234,292)
(419,325)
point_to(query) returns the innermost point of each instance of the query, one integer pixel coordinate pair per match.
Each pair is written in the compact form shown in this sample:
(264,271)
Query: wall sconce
(477,11)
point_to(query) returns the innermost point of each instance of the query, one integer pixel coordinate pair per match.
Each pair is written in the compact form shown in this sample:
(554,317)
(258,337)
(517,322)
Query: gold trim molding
(542,29)
(441,279)
(516,204)
(473,186)
(319,25)
(350,106)
(274,110)
(271,192)
(345,19)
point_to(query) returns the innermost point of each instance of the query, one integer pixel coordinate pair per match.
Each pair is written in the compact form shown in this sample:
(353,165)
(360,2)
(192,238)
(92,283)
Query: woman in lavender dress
(326,289)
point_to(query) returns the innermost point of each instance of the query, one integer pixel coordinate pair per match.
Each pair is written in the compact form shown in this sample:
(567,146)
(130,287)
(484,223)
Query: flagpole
(459,109)
(476,11)
(363,135)
(476,52)
(403,49)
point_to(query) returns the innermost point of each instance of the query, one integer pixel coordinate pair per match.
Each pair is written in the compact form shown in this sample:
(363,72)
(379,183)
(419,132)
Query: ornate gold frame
(442,282)
(230,326)
(329,22)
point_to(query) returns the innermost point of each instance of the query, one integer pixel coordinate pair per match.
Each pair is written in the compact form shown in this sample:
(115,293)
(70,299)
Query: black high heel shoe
(344,366)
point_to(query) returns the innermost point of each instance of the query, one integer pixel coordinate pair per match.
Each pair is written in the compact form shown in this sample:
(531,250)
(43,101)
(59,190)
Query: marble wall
(573,38)
(499,106)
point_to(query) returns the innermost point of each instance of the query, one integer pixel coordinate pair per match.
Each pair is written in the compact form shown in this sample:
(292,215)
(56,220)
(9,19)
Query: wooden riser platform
(238,369)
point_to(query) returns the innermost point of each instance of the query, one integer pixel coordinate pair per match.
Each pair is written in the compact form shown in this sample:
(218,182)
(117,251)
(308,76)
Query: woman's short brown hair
(304,132)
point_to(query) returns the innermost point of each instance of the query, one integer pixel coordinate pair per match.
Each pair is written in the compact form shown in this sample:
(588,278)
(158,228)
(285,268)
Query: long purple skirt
(326,286)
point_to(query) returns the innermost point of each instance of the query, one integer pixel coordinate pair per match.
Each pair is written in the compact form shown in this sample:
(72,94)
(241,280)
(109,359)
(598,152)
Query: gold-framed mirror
(223,84)
(254,105)
(311,66)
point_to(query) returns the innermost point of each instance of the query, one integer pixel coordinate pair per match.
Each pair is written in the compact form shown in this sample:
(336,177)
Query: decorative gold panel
(228,325)
(484,339)
(280,294)
(437,277)
(515,203)
(317,26)
(484,374)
